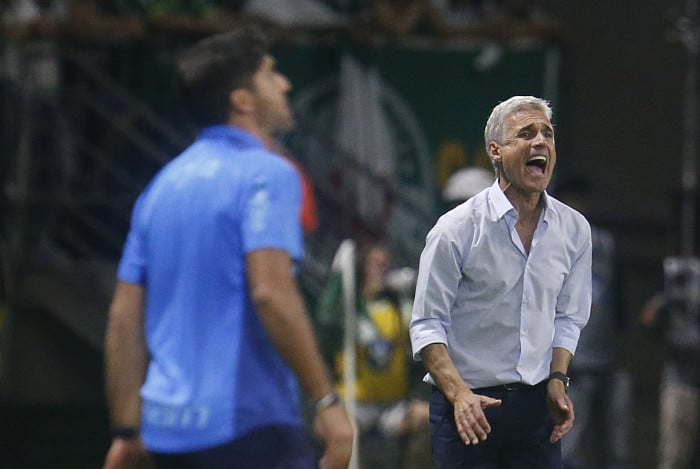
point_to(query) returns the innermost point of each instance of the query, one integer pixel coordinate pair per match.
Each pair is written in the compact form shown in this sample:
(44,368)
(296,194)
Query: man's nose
(539,139)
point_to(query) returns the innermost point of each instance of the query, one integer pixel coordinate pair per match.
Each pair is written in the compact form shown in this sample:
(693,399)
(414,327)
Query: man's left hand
(561,409)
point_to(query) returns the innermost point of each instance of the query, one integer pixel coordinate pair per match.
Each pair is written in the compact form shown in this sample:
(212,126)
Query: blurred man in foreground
(208,336)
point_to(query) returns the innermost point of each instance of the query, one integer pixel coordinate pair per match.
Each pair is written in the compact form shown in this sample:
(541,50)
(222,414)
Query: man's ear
(241,100)
(494,151)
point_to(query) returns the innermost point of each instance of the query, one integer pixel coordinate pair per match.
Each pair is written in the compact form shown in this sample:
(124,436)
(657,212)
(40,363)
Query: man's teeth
(537,159)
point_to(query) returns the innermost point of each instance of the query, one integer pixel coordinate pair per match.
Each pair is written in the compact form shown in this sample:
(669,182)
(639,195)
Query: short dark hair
(210,69)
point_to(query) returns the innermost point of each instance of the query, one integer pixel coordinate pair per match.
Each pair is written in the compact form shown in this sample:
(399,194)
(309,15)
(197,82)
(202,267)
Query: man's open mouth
(537,161)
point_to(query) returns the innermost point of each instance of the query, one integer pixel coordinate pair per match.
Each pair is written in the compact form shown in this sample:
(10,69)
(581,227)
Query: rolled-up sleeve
(574,300)
(436,286)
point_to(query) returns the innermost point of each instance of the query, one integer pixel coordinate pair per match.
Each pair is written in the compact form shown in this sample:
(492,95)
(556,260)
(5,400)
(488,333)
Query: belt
(510,387)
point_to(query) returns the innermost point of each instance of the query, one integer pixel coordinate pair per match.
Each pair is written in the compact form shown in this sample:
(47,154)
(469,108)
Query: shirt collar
(235,135)
(499,201)
(502,205)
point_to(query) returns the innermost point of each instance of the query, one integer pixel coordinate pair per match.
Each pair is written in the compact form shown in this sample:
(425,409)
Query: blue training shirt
(214,374)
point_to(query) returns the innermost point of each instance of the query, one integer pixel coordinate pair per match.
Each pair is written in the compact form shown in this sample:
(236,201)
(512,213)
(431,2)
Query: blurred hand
(127,454)
(418,417)
(333,426)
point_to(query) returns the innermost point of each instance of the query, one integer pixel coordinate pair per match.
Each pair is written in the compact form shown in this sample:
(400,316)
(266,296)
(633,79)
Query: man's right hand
(333,426)
(127,454)
(469,416)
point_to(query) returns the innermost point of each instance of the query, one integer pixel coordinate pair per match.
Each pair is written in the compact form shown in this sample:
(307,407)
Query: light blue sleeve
(574,300)
(439,274)
(132,266)
(271,213)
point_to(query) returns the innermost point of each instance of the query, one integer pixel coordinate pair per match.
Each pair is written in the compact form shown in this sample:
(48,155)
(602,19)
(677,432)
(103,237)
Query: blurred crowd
(364,20)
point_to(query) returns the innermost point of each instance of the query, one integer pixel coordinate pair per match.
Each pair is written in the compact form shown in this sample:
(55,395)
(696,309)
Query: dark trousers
(519,438)
(278,447)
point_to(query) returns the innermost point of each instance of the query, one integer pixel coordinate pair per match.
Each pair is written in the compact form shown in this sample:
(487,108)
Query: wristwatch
(561,377)
(329,400)
(125,433)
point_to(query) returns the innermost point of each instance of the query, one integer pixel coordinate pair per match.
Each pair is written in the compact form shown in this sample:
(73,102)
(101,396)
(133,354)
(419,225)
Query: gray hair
(495,130)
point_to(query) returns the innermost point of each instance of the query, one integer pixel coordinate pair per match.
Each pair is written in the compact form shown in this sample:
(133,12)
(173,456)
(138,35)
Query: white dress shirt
(499,310)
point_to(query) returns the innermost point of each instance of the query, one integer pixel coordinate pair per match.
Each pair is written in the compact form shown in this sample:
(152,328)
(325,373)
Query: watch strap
(561,377)
(125,433)
(329,400)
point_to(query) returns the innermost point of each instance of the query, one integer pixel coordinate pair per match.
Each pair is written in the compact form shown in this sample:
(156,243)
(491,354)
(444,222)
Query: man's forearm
(437,361)
(282,311)
(560,360)
(123,381)
(283,314)
(126,357)
(290,330)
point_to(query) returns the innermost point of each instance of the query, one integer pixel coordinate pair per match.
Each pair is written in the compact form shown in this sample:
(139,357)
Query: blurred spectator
(167,7)
(529,18)
(600,390)
(462,13)
(102,19)
(524,11)
(295,14)
(393,428)
(674,317)
(189,16)
(309,214)
(499,18)
(464,184)
(42,163)
(39,142)
(398,18)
